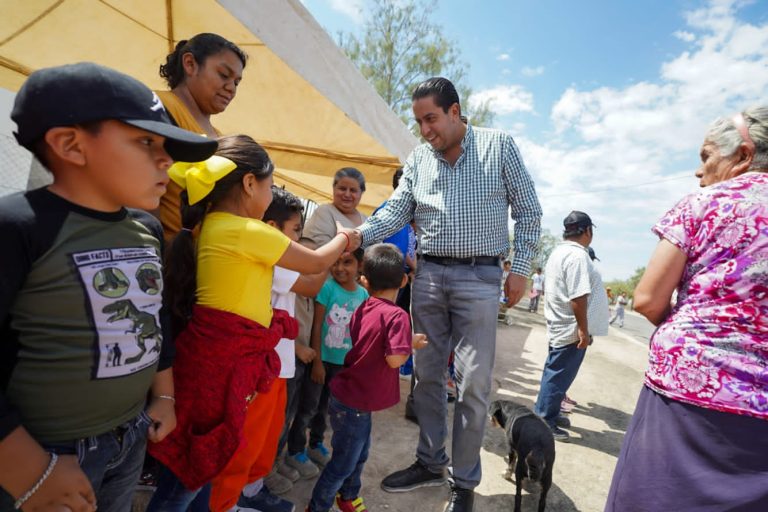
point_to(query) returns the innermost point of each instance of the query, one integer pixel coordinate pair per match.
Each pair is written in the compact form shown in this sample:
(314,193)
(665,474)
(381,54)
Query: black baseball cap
(87,92)
(577,219)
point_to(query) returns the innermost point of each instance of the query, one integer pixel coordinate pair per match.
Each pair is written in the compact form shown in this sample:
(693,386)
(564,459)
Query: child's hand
(163,415)
(304,353)
(419,341)
(318,372)
(67,488)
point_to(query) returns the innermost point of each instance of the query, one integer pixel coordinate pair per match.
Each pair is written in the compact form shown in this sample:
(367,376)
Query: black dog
(531,447)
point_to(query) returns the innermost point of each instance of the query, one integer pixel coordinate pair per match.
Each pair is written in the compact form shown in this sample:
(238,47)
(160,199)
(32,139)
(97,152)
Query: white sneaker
(301,463)
(319,454)
(288,472)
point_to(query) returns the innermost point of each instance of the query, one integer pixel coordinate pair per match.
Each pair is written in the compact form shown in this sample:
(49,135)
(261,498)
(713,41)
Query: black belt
(474,260)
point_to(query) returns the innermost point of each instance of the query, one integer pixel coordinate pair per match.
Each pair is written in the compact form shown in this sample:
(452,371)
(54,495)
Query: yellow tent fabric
(308,135)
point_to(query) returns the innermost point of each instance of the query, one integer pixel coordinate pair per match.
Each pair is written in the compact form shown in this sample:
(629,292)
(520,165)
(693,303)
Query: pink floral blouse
(712,350)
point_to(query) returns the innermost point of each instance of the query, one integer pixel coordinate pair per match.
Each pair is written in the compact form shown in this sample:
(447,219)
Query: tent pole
(169,24)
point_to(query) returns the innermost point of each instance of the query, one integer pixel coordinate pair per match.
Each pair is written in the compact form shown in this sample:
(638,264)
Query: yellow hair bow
(199,178)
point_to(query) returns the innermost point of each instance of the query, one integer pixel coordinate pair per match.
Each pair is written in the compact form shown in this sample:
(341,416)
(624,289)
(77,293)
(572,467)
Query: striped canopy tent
(300,96)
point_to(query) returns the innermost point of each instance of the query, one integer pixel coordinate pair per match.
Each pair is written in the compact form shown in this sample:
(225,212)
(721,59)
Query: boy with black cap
(81,337)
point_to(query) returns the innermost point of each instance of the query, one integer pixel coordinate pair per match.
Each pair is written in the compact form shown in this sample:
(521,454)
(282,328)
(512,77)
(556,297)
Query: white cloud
(682,35)
(502,56)
(529,71)
(352,9)
(627,154)
(505,99)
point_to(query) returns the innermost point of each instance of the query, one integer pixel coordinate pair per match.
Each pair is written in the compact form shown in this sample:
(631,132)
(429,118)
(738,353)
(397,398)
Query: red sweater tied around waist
(222,361)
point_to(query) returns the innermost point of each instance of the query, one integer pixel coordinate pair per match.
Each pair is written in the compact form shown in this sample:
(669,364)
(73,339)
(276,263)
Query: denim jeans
(619,314)
(534,303)
(456,307)
(172,496)
(560,371)
(351,441)
(293,391)
(112,462)
(313,405)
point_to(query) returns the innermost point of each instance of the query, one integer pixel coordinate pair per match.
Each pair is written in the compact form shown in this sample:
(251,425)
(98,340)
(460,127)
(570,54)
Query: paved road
(636,326)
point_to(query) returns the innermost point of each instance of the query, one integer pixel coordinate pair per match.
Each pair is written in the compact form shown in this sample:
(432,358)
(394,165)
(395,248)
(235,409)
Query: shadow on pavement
(614,418)
(557,501)
(518,379)
(606,441)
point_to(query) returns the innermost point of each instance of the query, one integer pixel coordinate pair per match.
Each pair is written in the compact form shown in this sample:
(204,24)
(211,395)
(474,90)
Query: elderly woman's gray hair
(350,172)
(724,133)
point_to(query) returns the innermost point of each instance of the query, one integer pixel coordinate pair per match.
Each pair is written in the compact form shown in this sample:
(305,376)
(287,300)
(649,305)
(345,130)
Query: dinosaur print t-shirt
(339,303)
(80,299)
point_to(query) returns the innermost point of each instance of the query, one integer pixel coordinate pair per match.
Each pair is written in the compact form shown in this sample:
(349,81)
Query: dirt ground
(606,390)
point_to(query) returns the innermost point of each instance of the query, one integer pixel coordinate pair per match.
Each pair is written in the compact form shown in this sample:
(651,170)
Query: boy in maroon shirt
(381,343)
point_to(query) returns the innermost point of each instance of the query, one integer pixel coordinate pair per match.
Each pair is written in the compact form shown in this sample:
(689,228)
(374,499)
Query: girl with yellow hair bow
(219,295)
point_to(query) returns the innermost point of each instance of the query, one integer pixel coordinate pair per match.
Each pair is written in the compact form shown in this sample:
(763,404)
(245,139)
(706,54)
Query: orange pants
(256,455)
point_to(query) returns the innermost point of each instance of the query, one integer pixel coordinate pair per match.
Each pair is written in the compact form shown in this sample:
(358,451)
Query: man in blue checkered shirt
(458,188)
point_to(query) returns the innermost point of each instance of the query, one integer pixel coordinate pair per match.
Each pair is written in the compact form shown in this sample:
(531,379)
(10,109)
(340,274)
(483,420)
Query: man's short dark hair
(383,267)
(441,89)
(396,177)
(575,232)
(284,205)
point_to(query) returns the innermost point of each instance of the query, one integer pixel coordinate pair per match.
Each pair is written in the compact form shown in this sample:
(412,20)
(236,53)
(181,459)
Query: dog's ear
(497,416)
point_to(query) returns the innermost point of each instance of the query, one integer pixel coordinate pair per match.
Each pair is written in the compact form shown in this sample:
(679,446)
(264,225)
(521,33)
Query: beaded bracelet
(19,502)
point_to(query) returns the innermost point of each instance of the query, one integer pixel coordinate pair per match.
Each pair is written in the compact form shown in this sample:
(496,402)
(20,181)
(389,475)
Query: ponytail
(201,47)
(181,263)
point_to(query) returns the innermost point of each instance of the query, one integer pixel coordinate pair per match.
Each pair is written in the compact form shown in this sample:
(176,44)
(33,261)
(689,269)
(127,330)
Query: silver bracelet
(166,397)
(19,502)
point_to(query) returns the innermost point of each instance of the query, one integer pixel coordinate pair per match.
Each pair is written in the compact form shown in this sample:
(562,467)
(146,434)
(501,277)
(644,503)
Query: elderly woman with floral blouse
(699,437)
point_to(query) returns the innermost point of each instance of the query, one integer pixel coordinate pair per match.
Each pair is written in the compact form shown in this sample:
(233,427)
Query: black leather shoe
(413,477)
(462,500)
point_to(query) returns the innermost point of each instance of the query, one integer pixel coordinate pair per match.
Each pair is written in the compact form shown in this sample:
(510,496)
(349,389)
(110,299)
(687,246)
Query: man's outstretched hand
(514,288)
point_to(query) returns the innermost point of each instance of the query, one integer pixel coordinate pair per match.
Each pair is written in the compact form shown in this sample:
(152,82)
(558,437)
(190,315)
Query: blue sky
(608,100)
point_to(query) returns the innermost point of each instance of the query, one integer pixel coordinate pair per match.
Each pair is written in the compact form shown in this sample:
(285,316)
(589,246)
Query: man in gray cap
(573,284)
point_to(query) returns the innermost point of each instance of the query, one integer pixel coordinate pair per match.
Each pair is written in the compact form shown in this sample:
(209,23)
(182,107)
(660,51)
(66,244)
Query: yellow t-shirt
(235,256)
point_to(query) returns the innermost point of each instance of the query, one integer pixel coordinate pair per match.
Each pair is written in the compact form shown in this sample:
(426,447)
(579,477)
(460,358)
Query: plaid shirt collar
(467,140)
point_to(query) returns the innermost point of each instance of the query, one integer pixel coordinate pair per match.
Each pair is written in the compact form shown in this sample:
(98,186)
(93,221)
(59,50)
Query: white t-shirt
(570,274)
(538,282)
(283,298)
(597,306)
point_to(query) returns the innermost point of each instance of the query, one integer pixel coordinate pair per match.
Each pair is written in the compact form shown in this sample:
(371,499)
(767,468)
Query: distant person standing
(537,290)
(459,188)
(621,304)
(574,295)
(609,294)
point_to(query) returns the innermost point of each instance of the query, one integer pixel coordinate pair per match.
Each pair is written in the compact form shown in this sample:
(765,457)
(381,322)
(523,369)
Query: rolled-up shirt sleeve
(395,214)
(524,208)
